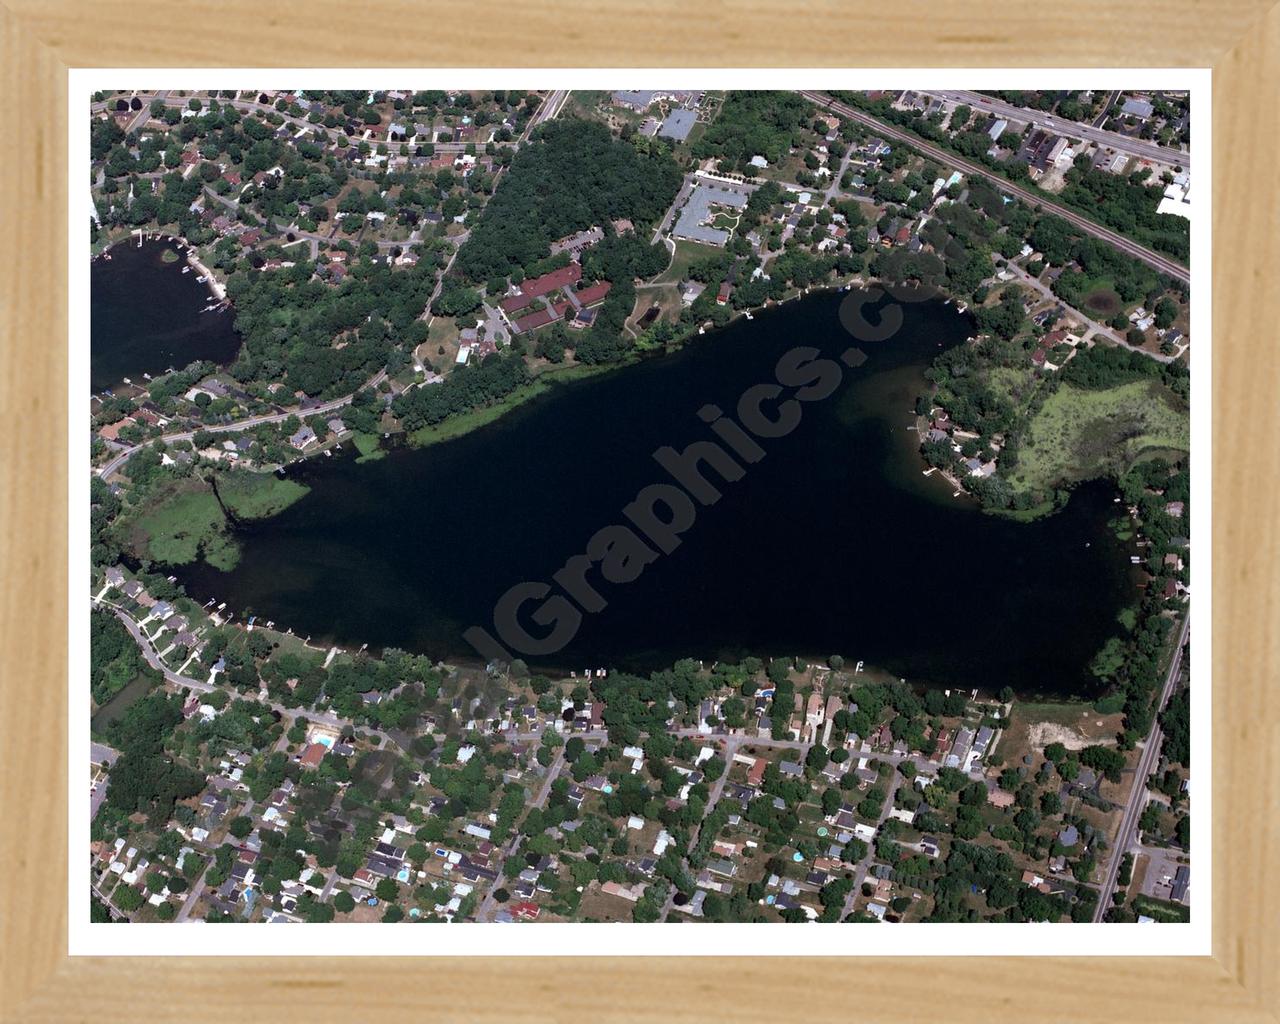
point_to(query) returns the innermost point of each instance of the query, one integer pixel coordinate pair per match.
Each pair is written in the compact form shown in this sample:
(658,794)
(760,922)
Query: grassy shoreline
(186,523)
(464,423)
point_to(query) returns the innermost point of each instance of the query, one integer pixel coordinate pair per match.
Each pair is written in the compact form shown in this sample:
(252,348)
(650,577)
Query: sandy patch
(1041,734)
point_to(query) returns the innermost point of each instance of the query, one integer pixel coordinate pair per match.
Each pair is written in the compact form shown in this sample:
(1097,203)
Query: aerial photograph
(669,505)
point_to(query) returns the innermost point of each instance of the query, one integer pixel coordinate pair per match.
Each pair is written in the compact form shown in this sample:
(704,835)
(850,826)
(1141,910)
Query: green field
(1079,435)
(368,445)
(186,524)
(686,253)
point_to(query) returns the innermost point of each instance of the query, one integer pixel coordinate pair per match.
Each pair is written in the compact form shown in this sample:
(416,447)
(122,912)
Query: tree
(240,826)
(127,898)
(386,889)
(556,186)
(1107,760)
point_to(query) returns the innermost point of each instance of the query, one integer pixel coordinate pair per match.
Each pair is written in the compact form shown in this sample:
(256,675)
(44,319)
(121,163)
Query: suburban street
(513,846)
(1127,832)
(1139,148)
(864,865)
(1095,329)
(324,718)
(193,897)
(551,106)
(677,204)
(244,424)
(1163,264)
(731,745)
(100,754)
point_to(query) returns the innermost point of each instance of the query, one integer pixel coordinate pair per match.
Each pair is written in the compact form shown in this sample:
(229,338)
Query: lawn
(444,336)
(1080,435)
(686,254)
(368,447)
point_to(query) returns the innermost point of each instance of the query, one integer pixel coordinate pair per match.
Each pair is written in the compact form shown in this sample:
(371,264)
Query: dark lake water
(146,316)
(832,543)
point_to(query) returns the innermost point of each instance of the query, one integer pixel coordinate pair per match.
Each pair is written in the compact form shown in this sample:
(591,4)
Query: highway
(1162,264)
(1064,126)
(1125,835)
(551,106)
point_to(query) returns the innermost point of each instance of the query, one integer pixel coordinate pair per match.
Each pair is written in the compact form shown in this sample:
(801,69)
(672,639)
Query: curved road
(238,425)
(1163,264)
(325,718)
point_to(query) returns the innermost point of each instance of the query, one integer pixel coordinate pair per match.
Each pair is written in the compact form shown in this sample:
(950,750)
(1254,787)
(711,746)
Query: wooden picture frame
(40,982)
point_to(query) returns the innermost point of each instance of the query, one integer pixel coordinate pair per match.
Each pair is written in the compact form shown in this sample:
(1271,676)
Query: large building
(678,124)
(694,220)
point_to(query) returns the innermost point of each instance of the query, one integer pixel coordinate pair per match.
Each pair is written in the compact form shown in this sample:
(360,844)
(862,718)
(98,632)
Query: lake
(832,543)
(146,315)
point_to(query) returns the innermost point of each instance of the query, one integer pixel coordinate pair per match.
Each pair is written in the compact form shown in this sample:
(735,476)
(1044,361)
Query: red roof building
(514,303)
(592,294)
(544,285)
(533,321)
(112,430)
(553,281)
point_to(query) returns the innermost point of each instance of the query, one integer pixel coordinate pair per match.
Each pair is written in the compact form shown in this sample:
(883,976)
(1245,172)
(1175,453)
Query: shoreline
(192,254)
(218,289)
(455,658)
